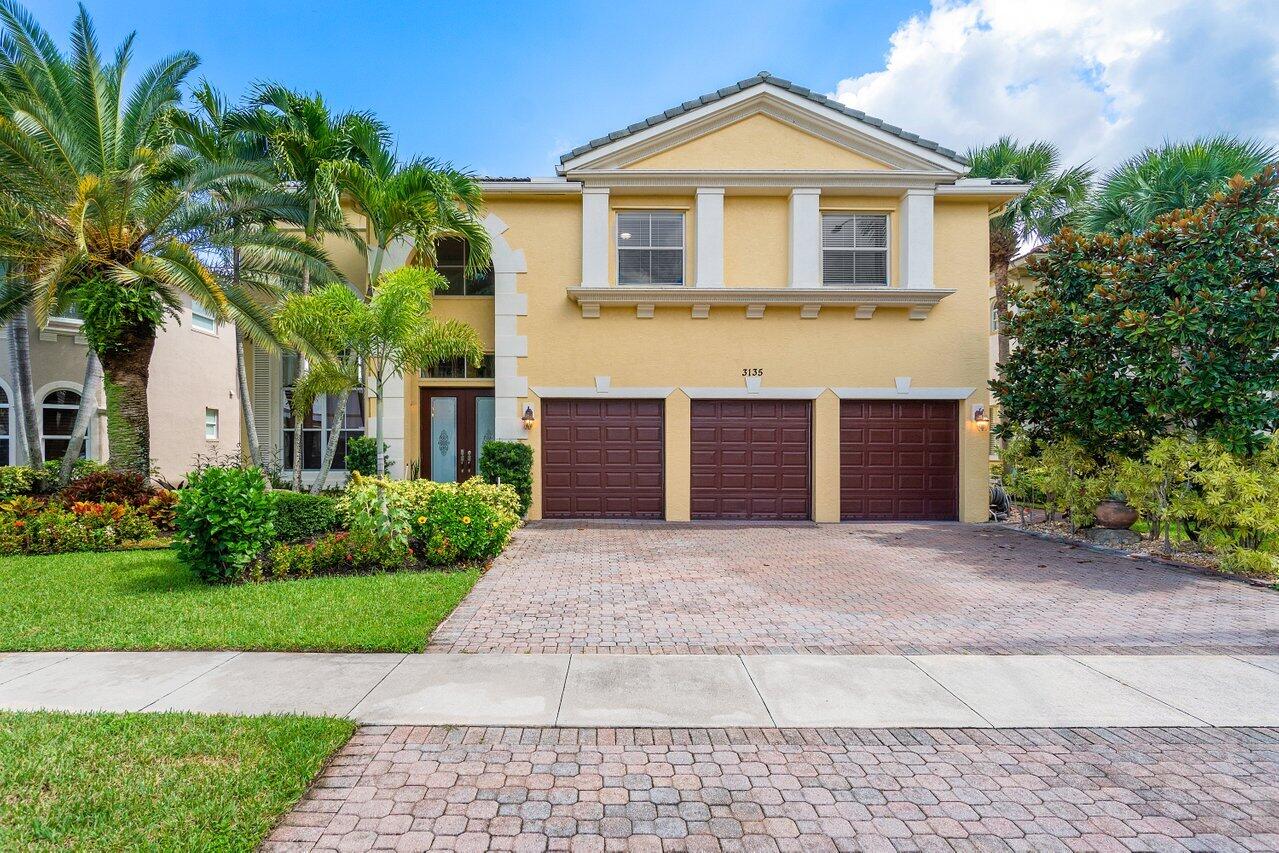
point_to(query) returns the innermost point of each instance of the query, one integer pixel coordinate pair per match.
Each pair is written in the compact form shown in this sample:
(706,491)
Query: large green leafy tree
(1125,338)
(1050,200)
(99,207)
(392,332)
(1175,176)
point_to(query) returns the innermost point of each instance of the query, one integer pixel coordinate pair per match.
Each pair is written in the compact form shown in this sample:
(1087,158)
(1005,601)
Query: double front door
(456,422)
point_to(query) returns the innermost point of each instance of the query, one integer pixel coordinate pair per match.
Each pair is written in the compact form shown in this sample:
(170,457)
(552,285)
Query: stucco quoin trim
(508,345)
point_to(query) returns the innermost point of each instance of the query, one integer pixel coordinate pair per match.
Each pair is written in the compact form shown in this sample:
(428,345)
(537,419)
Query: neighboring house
(193,400)
(759,304)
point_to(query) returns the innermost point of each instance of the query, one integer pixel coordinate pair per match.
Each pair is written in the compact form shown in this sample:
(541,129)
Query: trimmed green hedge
(300,516)
(511,464)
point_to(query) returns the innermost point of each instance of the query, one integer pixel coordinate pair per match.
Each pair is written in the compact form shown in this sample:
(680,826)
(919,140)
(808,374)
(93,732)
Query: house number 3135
(752,371)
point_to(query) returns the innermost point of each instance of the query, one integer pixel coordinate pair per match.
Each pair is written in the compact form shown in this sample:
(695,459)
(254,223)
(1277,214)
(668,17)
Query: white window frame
(887,248)
(211,419)
(202,320)
(286,431)
(683,245)
(45,393)
(466,281)
(8,435)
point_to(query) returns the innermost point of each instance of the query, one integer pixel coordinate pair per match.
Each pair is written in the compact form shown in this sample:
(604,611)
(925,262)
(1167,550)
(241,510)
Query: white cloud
(1101,78)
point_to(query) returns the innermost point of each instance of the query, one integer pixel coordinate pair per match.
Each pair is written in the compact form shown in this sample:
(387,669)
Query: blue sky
(503,88)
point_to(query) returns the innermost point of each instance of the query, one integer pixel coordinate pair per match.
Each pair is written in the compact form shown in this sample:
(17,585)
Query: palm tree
(309,144)
(99,207)
(421,199)
(1175,176)
(1050,200)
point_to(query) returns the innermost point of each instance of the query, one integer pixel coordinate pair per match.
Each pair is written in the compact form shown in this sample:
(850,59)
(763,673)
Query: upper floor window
(451,255)
(460,368)
(650,247)
(855,249)
(202,318)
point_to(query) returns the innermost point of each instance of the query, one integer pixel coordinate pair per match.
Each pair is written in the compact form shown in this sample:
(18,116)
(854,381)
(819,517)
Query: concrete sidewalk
(933,691)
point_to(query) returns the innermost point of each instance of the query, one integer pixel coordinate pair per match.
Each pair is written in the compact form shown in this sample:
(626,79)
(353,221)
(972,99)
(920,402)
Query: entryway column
(917,239)
(805,237)
(710,237)
(594,236)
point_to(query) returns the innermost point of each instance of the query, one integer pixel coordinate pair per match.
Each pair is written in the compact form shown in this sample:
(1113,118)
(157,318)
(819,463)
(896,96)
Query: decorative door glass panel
(444,439)
(483,425)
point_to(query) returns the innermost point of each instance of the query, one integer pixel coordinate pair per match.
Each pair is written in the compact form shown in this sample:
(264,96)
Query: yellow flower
(466,519)
(421,519)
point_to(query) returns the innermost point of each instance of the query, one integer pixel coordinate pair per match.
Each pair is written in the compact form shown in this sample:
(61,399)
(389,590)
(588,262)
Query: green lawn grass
(154,781)
(150,600)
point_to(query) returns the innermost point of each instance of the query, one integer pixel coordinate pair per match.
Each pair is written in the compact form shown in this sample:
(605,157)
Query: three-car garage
(749,459)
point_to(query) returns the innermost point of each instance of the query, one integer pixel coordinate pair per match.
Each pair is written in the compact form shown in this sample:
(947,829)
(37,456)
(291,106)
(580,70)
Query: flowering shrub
(86,526)
(330,554)
(443,522)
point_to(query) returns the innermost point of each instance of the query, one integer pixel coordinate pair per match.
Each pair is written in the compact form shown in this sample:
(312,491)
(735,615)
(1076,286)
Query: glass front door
(456,422)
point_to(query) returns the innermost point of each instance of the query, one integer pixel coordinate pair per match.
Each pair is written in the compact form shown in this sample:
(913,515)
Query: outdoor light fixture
(979,415)
(528,417)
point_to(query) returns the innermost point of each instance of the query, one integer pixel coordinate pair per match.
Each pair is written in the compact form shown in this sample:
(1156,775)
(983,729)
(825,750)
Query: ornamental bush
(300,516)
(361,455)
(1123,340)
(16,480)
(27,527)
(442,523)
(509,463)
(330,554)
(122,487)
(224,522)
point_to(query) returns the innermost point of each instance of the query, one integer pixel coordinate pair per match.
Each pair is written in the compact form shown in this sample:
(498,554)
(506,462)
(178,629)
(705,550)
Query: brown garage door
(750,459)
(602,459)
(898,460)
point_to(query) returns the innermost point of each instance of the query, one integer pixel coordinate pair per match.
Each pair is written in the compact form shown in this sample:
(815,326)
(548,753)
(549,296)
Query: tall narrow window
(202,318)
(6,447)
(57,421)
(317,421)
(451,256)
(650,247)
(211,424)
(855,249)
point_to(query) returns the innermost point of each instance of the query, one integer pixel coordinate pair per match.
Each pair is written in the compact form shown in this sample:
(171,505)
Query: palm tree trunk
(127,371)
(335,435)
(309,234)
(20,358)
(1003,245)
(381,460)
(297,449)
(88,403)
(246,405)
(379,255)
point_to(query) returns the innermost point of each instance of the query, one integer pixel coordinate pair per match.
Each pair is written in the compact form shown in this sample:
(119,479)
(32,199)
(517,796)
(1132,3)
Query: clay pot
(1115,515)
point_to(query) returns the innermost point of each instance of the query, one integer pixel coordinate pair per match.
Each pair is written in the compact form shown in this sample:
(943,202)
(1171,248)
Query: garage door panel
(751,459)
(899,459)
(602,459)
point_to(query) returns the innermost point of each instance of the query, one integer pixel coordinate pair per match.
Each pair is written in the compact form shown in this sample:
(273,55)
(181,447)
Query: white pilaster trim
(710,237)
(509,386)
(595,248)
(917,238)
(805,237)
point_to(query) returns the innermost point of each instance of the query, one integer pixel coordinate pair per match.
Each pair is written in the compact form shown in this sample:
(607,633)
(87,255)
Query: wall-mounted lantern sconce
(980,417)
(528,417)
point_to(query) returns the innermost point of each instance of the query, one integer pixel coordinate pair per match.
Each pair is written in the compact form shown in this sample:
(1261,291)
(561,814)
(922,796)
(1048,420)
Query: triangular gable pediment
(763,126)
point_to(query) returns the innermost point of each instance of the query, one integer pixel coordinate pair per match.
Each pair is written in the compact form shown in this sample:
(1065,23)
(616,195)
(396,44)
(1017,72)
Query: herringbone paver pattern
(842,589)
(411,788)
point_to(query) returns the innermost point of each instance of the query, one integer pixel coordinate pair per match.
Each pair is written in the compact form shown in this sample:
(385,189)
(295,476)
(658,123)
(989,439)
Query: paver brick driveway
(842,589)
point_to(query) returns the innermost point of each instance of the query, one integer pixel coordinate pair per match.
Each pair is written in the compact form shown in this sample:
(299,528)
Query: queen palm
(309,144)
(99,207)
(1050,201)
(1175,176)
(421,199)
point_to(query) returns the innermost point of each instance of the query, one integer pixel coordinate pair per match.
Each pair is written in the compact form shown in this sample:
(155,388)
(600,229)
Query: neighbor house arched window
(57,420)
(6,412)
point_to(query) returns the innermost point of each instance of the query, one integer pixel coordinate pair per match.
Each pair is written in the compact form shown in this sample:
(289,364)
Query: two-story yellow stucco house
(759,304)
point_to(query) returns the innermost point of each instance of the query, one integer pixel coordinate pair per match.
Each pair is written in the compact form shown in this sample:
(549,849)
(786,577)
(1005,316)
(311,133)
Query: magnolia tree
(392,333)
(1123,339)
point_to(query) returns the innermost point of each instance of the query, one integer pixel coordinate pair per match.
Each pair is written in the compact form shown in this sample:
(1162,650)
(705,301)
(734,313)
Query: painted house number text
(752,371)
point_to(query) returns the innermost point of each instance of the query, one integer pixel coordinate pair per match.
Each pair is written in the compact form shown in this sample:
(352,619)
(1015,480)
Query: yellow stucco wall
(948,349)
(758,142)
(756,240)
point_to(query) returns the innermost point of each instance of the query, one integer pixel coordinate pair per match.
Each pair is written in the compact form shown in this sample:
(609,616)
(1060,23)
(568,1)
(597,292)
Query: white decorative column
(594,236)
(710,237)
(509,386)
(916,243)
(805,237)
